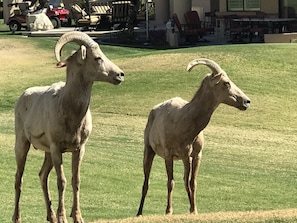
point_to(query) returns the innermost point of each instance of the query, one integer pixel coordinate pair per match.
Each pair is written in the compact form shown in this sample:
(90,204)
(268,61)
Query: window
(243,5)
(288,8)
(235,5)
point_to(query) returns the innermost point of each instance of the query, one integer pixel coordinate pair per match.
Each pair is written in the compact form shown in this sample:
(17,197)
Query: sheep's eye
(227,84)
(98,59)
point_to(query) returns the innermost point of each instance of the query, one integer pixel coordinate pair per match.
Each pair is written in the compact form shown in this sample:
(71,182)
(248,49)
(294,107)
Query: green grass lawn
(249,161)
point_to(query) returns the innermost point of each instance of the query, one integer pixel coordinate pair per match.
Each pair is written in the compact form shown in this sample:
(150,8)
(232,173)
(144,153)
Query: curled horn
(215,68)
(78,37)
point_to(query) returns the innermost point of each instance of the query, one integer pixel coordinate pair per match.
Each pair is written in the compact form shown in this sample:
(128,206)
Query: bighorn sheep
(57,119)
(174,129)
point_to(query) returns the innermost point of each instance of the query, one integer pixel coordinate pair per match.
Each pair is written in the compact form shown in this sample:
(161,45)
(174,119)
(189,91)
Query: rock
(39,21)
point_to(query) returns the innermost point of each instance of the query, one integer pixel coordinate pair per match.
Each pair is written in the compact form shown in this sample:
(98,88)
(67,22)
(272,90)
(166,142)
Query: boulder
(39,21)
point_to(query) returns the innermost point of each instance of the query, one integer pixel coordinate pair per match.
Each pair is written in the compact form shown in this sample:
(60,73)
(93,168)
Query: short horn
(215,68)
(78,37)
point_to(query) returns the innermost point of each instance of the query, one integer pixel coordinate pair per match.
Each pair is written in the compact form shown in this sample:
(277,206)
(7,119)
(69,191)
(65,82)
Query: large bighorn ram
(57,119)
(174,129)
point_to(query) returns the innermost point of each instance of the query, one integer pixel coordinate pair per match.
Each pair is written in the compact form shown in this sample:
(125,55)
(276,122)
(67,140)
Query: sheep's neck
(197,113)
(76,98)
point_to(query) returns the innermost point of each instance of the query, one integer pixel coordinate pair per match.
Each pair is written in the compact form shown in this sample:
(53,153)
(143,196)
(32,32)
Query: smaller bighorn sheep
(174,129)
(57,119)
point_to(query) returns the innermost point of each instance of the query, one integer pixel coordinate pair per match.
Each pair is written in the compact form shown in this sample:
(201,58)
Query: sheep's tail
(215,68)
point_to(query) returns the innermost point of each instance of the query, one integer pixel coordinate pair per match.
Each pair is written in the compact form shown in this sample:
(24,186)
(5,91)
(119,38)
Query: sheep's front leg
(21,151)
(43,176)
(170,184)
(77,157)
(61,182)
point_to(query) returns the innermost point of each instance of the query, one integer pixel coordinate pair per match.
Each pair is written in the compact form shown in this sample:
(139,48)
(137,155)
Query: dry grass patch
(286,215)
(169,61)
(20,52)
(22,61)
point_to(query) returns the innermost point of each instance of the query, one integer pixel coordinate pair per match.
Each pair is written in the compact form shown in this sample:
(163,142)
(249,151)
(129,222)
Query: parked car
(56,9)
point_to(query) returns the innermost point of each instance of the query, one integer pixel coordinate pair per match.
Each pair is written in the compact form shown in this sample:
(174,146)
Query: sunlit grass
(249,159)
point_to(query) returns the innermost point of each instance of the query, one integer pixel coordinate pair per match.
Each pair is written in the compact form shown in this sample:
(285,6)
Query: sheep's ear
(216,78)
(82,55)
(83,50)
(61,64)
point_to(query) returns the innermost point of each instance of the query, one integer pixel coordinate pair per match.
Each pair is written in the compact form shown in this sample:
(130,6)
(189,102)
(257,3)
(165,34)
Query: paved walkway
(107,36)
(59,32)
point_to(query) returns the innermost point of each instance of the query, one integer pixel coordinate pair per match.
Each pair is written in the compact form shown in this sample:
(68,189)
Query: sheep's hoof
(16,220)
(77,218)
(62,220)
(52,218)
(169,211)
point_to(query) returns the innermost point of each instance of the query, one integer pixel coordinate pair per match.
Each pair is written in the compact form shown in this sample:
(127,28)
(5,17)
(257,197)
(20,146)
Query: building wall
(270,7)
(201,7)
(161,11)
(180,7)
(223,6)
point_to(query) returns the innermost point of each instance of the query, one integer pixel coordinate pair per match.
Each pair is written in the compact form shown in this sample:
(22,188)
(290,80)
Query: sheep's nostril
(120,76)
(247,103)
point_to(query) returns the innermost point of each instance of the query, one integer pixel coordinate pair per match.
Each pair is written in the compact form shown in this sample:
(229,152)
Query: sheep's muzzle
(119,78)
(245,104)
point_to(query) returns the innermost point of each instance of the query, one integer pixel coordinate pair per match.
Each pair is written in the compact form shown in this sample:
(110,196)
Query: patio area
(112,36)
(119,37)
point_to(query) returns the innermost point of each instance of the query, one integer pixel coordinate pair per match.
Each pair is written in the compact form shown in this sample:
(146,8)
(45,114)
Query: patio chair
(82,19)
(192,17)
(188,31)
(102,9)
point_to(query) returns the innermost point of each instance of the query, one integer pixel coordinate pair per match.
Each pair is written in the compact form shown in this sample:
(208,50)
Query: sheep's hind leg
(43,176)
(193,184)
(187,179)
(170,184)
(197,156)
(76,163)
(22,146)
(148,159)
(61,182)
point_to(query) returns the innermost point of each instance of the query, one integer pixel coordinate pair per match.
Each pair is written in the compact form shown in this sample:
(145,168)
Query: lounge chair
(190,32)
(82,19)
